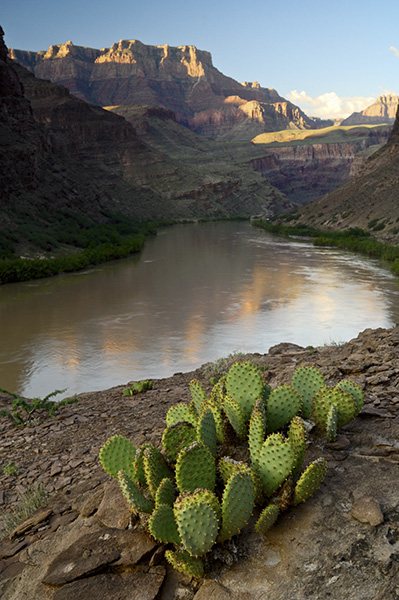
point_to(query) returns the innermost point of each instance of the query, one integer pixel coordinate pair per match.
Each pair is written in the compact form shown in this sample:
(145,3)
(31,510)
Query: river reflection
(196,293)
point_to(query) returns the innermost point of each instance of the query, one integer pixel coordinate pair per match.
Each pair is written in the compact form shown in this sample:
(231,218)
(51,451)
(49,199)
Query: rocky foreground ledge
(342,543)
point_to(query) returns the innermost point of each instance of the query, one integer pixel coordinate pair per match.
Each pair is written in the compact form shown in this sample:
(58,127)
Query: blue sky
(330,58)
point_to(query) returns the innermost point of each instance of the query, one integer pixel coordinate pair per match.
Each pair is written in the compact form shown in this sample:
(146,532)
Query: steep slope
(382,111)
(182,79)
(369,200)
(62,158)
(306,164)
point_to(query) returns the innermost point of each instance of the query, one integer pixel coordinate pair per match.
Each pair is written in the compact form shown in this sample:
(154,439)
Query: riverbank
(353,239)
(62,454)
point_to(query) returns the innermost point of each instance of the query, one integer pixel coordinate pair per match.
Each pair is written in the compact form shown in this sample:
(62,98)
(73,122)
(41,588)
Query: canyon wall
(182,79)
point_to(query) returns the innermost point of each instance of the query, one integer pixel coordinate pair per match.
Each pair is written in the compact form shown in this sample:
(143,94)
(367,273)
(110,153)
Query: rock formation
(61,154)
(182,79)
(304,171)
(368,201)
(382,111)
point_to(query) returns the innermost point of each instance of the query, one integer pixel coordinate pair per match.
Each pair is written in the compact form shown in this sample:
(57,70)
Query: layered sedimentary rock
(369,200)
(383,110)
(182,79)
(304,172)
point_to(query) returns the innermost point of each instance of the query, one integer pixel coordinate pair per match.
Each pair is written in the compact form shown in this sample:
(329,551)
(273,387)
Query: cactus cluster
(194,494)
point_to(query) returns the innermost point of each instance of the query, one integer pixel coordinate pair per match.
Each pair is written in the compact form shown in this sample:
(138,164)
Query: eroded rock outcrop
(383,110)
(368,201)
(182,79)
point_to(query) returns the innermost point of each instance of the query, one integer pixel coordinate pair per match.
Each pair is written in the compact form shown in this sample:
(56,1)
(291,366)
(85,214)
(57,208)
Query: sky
(329,58)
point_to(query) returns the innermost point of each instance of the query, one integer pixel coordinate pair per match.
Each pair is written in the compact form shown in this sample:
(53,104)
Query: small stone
(367,510)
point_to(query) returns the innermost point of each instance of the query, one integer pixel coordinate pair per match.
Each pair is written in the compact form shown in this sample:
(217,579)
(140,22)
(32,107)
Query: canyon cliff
(62,155)
(305,171)
(182,79)
(383,110)
(368,201)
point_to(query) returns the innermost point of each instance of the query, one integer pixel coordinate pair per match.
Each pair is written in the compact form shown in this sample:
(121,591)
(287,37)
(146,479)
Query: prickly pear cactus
(195,468)
(324,399)
(190,513)
(275,462)
(283,404)
(267,518)
(165,492)
(215,499)
(135,498)
(235,416)
(354,390)
(162,525)
(257,430)
(198,396)
(237,504)
(307,381)
(206,430)
(180,412)
(155,468)
(297,438)
(310,480)
(244,383)
(176,437)
(118,453)
(186,564)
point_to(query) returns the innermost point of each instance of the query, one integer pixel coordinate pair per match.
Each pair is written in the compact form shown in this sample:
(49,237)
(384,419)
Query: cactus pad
(165,492)
(267,518)
(307,381)
(197,524)
(354,390)
(244,383)
(257,430)
(237,504)
(139,465)
(206,430)
(155,469)
(198,396)
(118,453)
(283,404)
(332,423)
(276,461)
(297,438)
(133,495)
(217,416)
(235,416)
(180,412)
(325,398)
(162,525)
(186,564)
(310,480)
(176,437)
(195,468)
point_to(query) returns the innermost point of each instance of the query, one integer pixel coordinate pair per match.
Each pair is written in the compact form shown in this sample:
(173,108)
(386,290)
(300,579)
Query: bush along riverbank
(354,239)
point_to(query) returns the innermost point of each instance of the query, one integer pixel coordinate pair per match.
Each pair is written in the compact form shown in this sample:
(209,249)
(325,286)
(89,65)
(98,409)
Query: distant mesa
(382,111)
(182,79)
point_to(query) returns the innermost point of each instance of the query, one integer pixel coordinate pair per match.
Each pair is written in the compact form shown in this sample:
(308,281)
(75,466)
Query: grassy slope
(327,135)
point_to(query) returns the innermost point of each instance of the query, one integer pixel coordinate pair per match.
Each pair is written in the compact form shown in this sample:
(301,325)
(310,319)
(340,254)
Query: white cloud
(329,105)
(394,50)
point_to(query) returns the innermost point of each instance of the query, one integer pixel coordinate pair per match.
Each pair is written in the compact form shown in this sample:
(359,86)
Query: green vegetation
(327,135)
(354,239)
(24,412)
(198,491)
(11,470)
(138,387)
(28,502)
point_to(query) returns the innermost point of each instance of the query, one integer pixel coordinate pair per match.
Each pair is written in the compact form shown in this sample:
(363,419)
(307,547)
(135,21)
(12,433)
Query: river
(196,293)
